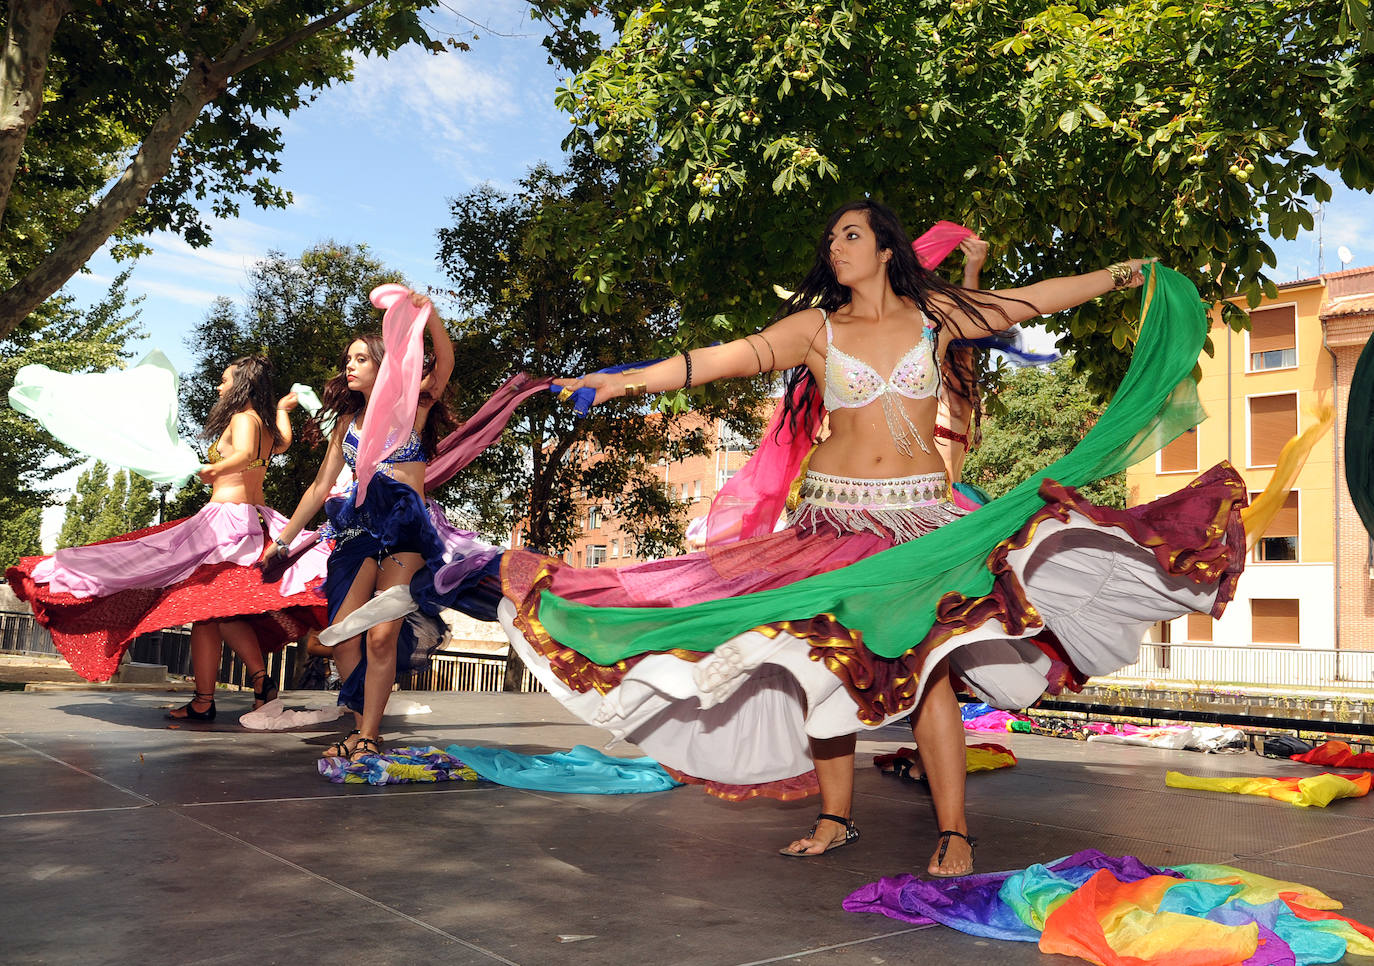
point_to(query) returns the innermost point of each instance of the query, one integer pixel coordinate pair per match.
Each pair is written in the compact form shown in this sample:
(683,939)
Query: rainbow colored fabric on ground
(398,766)
(1116,910)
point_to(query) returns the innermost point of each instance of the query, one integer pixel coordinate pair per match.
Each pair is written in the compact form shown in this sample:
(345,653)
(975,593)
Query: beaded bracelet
(687,356)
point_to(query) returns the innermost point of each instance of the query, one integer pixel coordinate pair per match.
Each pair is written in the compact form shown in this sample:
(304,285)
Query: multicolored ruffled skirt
(96,599)
(1074,591)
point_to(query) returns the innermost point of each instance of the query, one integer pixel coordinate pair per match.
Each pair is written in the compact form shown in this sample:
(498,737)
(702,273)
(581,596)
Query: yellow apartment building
(1308,581)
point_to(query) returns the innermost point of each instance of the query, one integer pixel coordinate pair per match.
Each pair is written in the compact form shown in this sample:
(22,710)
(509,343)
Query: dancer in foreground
(387,537)
(725,664)
(96,599)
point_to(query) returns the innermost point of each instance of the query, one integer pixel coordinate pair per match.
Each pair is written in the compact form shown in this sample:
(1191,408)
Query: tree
(1043,414)
(117,118)
(512,258)
(20,533)
(1067,134)
(102,506)
(66,338)
(300,311)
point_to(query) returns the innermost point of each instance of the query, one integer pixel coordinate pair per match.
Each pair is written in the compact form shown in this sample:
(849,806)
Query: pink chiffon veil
(752,500)
(396,394)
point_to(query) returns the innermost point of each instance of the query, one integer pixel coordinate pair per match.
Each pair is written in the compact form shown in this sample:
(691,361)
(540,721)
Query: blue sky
(372,161)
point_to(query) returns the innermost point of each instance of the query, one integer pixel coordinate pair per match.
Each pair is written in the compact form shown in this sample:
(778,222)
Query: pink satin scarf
(396,394)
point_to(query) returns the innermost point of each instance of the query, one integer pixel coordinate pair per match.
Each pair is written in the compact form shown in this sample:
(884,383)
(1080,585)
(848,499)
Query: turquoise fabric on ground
(582,771)
(124,417)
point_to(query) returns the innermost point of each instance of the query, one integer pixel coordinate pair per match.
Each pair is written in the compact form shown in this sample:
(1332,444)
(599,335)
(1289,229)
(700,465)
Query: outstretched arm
(1044,298)
(783,345)
(443,345)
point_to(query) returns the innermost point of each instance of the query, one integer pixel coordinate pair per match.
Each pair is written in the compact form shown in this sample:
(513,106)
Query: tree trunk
(29,30)
(204,81)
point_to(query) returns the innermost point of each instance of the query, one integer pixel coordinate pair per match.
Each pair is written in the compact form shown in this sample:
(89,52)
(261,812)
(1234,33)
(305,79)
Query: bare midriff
(860,444)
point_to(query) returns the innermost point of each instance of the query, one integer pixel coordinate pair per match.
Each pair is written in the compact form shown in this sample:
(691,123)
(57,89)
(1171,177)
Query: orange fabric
(1113,923)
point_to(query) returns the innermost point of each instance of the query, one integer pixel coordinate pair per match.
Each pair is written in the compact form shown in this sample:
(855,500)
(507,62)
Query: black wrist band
(687,356)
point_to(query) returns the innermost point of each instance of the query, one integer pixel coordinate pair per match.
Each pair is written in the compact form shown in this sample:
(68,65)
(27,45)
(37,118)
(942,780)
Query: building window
(596,555)
(696,490)
(733,442)
(1180,456)
(1274,338)
(1274,621)
(594,518)
(723,477)
(1280,540)
(615,548)
(1200,628)
(1273,422)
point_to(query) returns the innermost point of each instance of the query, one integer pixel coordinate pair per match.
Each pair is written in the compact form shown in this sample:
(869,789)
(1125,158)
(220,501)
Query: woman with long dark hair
(96,599)
(725,664)
(388,542)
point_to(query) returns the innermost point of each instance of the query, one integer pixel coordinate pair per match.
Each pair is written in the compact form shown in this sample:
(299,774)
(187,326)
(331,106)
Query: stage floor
(125,840)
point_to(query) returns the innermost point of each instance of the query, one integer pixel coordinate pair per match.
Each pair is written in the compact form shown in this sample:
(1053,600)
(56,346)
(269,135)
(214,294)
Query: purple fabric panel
(464,444)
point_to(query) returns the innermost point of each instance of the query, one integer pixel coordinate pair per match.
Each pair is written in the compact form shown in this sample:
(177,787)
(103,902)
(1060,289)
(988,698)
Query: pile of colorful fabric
(982,718)
(1336,754)
(398,766)
(582,770)
(1116,910)
(1319,790)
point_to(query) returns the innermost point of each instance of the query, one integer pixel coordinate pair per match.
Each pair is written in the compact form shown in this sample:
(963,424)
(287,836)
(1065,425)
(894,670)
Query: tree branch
(204,81)
(30,28)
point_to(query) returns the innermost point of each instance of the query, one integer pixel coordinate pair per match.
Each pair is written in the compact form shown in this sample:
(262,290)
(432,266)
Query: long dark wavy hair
(909,279)
(343,404)
(252,388)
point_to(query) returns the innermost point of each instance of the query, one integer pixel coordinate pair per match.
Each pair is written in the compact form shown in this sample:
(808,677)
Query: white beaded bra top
(851,383)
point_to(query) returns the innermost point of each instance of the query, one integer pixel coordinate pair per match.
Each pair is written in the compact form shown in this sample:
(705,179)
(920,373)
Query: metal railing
(1269,667)
(448,670)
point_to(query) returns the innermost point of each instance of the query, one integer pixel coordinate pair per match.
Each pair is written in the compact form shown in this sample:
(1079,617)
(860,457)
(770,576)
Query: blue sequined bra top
(411,451)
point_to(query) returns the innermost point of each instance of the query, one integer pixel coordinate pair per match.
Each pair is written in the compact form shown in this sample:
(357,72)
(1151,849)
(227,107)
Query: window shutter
(1273,422)
(1274,621)
(1273,329)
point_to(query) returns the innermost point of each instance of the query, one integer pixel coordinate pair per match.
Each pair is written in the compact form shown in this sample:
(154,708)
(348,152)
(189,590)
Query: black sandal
(340,749)
(189,712)
(367,747)
(945,836)
(851,834)
(269,687)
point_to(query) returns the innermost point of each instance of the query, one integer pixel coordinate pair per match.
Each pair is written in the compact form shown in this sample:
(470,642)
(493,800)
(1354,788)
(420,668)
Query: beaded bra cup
(851,383)
(412,451)
(213,455)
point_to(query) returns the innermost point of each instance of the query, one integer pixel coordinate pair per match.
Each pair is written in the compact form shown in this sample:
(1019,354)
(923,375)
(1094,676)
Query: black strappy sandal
(340,749)
(262,679)
(189,712)
(945,836)
(367,747)
(851,834)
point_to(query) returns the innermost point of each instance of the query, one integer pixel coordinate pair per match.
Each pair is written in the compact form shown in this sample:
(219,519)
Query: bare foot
(952,857)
